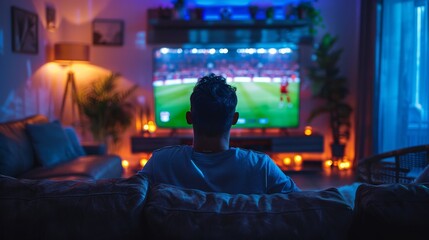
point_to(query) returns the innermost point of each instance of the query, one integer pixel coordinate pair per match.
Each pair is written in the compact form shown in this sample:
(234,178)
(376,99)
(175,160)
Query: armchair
(397,166)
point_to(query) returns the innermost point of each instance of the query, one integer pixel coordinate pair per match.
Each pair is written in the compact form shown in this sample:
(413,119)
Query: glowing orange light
(143,162)
(151,127)
(287,161)
(125,163)
(297,167)
(328,163)
(138,125)
(308,131)
(297,159)
(344,165)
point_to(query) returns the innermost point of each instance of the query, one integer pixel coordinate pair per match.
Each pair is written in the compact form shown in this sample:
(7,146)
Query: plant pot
(337,150)
(197,14)
(180,13)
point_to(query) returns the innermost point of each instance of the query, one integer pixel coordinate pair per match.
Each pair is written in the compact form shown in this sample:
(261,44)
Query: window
(402,80)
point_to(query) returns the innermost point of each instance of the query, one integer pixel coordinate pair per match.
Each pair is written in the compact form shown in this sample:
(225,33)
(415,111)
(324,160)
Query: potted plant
(108,111)
(332,88)
(179,8)
(253,11)
(306,11)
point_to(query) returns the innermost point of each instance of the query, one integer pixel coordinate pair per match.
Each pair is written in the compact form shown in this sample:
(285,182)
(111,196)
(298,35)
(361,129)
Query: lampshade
(71,52)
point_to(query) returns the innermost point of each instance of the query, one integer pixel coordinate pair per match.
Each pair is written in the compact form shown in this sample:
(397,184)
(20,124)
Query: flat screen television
(267,82)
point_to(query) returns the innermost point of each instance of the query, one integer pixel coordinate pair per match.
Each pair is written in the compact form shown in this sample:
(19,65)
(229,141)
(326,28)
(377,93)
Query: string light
(287,161)
(308,131)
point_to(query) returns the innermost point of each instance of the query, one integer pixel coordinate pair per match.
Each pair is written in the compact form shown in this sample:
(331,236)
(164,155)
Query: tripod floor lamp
(67,54)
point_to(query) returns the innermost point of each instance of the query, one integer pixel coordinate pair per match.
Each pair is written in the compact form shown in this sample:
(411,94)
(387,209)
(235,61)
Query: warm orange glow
(297,167)
(151,127)
(297,159)
(308,131)
(143,162)
(287,161)
(125,163)
(343,165)
(328,163)
(139,125)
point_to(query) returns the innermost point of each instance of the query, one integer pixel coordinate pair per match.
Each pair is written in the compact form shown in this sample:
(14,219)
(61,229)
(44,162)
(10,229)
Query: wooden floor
(321,179)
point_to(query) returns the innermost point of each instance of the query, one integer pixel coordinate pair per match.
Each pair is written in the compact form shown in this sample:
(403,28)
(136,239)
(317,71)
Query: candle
(125,163)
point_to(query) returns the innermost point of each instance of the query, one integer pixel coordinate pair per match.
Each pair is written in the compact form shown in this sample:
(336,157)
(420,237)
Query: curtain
(366,89)
(401,86)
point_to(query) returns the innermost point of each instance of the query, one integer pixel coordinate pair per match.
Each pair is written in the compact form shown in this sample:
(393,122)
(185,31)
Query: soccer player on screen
(284,92)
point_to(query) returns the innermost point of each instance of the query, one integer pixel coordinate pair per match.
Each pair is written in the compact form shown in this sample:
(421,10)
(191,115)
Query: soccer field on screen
(259,105)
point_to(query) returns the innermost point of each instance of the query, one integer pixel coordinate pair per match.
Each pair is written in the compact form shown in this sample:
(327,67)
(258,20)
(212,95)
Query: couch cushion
(423,176)
(391,211)
(16,151)
(50,143)
(45,209)
(173,212)
(93,167)
(74,141)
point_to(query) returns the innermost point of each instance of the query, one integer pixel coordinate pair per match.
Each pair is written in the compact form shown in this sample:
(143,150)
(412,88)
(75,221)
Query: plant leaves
(107,109)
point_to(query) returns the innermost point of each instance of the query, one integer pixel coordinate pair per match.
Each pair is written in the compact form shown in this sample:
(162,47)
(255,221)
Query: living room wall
(31,84)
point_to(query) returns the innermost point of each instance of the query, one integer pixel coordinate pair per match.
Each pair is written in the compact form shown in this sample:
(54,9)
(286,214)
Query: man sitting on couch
(211,164)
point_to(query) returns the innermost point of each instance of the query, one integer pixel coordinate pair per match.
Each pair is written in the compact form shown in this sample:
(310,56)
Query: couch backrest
(47,209)
(175,213)
(16,152)
(391,211)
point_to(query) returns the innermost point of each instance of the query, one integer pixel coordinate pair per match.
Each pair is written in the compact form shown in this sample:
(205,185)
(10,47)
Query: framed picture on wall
(25,37)
(108,32)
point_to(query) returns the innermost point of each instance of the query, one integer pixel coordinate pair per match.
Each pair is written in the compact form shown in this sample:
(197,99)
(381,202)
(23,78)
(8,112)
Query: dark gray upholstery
(85,167)
(174,213)
(16,151)
(18,157)
(391,211)
(133,209)
(45,209)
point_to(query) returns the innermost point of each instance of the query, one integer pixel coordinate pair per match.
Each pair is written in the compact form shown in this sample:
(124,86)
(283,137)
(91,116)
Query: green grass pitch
(259,105)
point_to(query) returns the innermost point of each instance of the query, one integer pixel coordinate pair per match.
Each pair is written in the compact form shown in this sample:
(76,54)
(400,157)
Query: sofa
(36,148)
(133,208)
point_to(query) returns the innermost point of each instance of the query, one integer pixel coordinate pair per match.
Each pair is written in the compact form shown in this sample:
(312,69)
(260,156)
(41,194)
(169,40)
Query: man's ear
(235,118)
(188,117)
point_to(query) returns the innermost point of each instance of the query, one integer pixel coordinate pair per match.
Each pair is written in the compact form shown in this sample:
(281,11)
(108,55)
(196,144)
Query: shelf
(225,24)
(265,143)
(164,31)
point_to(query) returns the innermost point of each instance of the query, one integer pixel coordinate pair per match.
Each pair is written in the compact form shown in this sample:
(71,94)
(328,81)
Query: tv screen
(267,82)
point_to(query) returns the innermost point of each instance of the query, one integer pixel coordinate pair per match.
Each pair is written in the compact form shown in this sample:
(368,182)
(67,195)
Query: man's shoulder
(176,152)
(250,152)
(170,149)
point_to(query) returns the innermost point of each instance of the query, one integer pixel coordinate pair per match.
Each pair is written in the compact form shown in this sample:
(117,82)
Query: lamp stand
(70,84)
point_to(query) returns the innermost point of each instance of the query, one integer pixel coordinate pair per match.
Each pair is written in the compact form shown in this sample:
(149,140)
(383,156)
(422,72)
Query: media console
(263,143)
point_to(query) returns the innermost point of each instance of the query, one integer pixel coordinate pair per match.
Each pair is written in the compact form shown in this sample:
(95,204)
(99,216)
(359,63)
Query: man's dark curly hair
(213,104)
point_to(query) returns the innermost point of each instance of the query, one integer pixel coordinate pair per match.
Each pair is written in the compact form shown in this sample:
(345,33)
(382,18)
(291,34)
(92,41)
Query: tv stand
(284,131)
(173,132)
(260,142)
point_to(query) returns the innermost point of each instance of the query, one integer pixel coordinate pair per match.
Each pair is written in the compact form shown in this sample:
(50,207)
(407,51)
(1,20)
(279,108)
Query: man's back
(232,171)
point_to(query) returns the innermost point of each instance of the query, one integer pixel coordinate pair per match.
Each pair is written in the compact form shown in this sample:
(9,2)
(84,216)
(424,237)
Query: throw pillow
(74,140)
(50,143)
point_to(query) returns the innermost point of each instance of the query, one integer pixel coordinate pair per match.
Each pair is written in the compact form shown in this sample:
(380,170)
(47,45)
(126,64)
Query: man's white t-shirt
(232,171)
